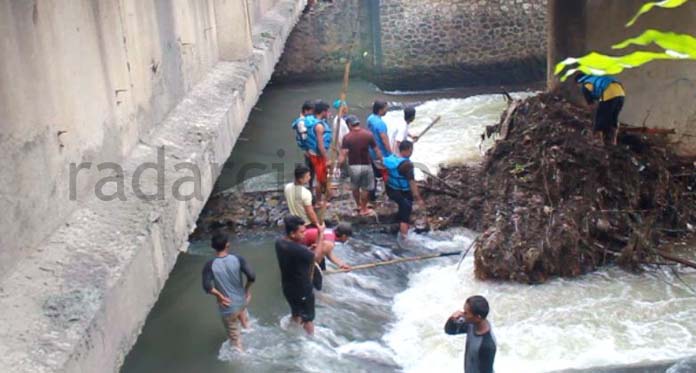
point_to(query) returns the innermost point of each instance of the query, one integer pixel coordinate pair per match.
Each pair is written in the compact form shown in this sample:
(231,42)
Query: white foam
(610,317)
(455,139)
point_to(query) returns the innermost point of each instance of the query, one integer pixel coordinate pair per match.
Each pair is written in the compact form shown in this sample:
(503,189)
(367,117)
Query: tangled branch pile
(551,201)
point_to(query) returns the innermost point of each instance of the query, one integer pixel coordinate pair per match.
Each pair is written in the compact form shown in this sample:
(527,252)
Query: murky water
(390,319)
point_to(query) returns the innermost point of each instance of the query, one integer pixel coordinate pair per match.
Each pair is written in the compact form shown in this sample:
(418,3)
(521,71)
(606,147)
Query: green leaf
(648,6)
(600,64)
(678,45)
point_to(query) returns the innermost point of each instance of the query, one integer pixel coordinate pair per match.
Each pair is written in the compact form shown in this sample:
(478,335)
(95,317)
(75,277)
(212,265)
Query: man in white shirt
(397,130)
(340,127)
(299,198)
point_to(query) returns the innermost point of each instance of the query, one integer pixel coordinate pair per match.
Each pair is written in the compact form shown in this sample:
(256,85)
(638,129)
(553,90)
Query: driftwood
(507,122)
(439,191)
(677,259)
(445,183)
(648,130)
(393,261)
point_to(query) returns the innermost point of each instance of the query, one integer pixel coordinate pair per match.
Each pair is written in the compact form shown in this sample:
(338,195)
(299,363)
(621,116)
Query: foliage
(675,47)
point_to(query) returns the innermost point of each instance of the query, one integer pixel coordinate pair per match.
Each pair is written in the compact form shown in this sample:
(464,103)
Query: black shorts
(405,201)
(301,306)
(607,116)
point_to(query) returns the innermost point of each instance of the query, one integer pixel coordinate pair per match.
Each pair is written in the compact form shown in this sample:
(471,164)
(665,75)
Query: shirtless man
(341,234)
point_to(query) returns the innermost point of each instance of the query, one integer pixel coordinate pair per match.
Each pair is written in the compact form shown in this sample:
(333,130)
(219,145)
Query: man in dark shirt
(356,149)
(222,277)
(296,264)
(480,341)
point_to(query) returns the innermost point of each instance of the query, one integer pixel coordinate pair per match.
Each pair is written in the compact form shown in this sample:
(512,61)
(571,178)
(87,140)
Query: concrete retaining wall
(131,82)
(659,94)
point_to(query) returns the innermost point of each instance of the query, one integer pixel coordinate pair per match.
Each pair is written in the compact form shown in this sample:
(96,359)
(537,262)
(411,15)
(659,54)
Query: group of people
(378,151)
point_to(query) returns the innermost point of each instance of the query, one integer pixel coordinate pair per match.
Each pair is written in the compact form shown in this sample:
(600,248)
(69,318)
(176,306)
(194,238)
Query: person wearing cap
(609,93)
(356,150)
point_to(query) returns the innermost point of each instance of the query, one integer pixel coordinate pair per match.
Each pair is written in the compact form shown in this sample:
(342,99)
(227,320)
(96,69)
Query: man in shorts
(356,149)
(296,262)
(609,94)
(402,187)
(319,137)
(222,277)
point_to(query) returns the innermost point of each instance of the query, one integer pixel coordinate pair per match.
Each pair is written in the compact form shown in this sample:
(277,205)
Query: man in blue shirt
(378,127)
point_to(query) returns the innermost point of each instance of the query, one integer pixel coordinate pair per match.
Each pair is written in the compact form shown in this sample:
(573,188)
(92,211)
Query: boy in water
(480,341)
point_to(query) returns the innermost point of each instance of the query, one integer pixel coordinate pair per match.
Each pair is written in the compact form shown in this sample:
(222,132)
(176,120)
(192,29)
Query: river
(390,319)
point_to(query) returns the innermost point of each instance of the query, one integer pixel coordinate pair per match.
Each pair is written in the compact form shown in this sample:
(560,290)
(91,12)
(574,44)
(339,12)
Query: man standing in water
(296,264)
(222,277)
(341,234)
(480,341)
(402,187)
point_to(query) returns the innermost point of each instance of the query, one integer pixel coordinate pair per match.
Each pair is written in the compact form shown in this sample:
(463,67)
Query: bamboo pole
(393,261)
(437,119)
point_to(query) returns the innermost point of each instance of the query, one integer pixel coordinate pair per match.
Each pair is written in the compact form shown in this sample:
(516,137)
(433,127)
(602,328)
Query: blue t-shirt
(377,126)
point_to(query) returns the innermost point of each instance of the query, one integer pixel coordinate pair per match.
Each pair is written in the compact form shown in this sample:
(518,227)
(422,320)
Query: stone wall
(321,42)
(412,44)
(660,94)
(463,42)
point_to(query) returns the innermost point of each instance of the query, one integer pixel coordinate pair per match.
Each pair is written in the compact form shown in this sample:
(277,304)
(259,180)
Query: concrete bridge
(115,118)
(90,92)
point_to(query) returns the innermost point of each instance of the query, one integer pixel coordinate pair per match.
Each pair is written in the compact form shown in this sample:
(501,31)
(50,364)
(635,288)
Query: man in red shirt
(341,233)
(355,148)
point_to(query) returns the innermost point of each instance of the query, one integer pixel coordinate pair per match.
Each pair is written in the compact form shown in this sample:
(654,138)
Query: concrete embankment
(78,302)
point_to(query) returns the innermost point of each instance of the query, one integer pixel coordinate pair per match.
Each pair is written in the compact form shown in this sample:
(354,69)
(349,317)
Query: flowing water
(390,319)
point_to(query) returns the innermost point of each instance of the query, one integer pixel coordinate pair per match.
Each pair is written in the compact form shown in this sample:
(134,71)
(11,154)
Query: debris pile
(552,201)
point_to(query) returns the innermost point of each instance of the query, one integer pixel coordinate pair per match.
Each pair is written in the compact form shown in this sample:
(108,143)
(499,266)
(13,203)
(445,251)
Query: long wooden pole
(333,153)
(437,119)
(393,261)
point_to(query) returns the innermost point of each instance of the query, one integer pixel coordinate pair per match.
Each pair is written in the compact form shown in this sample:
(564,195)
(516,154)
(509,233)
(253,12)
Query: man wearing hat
(355,149)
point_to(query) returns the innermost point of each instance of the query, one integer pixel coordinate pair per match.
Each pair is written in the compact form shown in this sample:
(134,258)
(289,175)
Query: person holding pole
(296,262)
(397,129)
(401,186)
